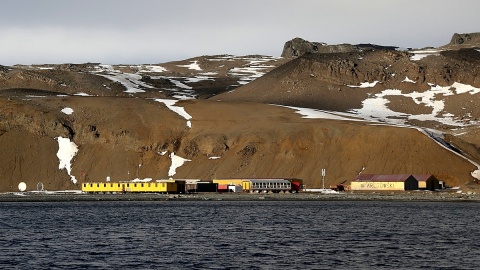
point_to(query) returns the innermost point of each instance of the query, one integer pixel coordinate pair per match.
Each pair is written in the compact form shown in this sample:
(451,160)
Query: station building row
(393,182)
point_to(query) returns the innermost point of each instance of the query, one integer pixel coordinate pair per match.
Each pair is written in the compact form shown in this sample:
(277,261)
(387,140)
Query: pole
(323,178)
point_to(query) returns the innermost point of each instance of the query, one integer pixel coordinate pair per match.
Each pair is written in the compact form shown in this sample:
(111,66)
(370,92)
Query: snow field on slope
(376,106)
(254,68)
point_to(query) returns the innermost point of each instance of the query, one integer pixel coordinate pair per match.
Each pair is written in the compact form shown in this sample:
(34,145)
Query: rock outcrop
(465,40)
(298,47)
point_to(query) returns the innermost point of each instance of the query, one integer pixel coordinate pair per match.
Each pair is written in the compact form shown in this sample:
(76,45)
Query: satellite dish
(22,186)
(40,186)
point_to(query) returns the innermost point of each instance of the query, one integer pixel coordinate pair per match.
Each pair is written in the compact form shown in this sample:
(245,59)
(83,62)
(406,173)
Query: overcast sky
(156,31)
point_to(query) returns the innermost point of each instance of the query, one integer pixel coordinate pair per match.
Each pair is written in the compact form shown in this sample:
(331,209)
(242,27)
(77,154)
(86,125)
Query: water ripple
(239,235)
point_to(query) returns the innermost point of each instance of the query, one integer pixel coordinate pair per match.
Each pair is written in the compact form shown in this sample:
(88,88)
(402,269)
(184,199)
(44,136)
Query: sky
(158,31)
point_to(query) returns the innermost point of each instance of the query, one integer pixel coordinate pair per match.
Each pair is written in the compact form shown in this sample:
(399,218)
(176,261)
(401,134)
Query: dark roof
(422,177)
(382,177)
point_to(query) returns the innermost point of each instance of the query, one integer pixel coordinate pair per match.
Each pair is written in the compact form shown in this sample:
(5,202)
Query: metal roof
(268,181)
(382,177)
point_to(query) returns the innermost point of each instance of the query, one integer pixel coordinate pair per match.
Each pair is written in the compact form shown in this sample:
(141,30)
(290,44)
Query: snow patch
(322,190)
(199,79)
(210,73)
(179,110)
(180,84)
(130,81)
(418,55)
(364,85)
(461,88)
(137,180)
(194,65)
(376,108)
(66,151)
(476,174)
(67,110)
(319,114)
(152,68)
(184,97)
(248,73)
(177,161)
(408,80)
(82,94)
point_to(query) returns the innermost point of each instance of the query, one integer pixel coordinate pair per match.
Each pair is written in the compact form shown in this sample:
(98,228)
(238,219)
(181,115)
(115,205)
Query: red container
(222,187)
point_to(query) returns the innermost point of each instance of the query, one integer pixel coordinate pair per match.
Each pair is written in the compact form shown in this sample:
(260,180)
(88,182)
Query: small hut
(427,181)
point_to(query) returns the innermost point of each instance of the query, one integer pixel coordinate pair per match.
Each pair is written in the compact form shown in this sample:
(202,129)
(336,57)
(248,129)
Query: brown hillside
(116,135)
(123,132)
(324,81)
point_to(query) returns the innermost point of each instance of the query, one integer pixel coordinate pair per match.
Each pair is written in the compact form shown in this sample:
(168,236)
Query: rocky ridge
(298,47)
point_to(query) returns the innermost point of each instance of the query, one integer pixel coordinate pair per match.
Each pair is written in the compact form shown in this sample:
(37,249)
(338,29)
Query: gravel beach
(303,196)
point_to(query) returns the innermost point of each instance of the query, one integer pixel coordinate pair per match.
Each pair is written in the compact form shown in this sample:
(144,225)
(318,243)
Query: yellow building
(373,182)
(160,186)
(229,182)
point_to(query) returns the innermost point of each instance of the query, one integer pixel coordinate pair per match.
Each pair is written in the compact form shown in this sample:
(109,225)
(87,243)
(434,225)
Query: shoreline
(302,196)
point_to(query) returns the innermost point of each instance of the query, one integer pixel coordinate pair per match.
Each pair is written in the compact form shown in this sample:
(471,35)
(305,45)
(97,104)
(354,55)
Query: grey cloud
(120,31)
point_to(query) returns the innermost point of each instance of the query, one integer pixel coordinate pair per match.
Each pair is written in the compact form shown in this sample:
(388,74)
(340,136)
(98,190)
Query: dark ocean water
(239,235)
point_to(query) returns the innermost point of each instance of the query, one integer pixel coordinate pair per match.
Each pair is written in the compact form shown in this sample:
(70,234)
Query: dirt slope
(124,138)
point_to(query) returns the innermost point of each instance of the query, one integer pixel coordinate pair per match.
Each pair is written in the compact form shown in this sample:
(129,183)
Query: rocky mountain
(370,109)
(435,88)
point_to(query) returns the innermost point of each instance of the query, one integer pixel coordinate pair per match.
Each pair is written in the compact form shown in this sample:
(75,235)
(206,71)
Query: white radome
(22,186)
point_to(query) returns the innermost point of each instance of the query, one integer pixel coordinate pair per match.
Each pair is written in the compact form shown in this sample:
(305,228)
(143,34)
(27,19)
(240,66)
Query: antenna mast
(323,178)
